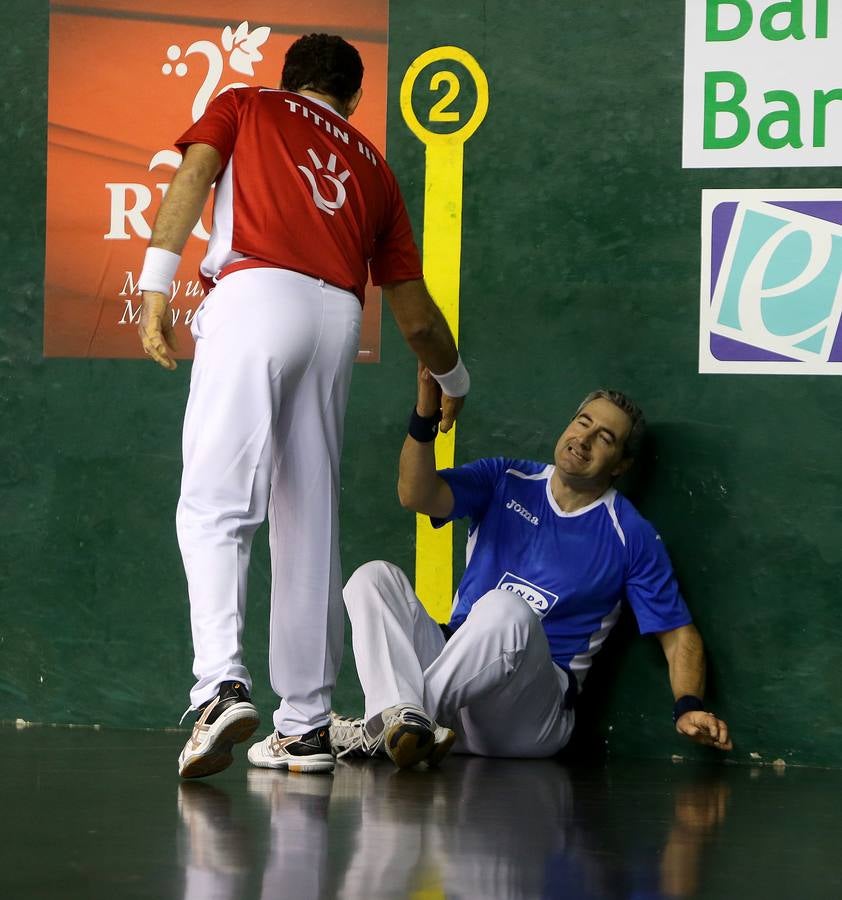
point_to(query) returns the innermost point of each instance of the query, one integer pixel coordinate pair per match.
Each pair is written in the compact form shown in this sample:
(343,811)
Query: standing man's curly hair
(325,63)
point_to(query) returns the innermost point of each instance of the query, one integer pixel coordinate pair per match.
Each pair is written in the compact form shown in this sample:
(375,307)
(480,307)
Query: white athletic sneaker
(410,736)
(230,718)
(309,752)
(349,737)
(406,735)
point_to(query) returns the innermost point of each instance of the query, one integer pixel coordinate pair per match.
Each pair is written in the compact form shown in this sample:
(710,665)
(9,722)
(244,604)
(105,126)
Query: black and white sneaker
(229,718)
(309,752)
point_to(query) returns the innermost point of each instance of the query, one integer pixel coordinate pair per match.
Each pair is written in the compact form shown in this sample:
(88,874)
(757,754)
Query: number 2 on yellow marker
(439,112)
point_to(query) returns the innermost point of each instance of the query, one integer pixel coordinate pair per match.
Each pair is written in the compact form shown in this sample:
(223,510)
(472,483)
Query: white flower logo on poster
(243,49)
(236,51)
(239,48)
(243,46)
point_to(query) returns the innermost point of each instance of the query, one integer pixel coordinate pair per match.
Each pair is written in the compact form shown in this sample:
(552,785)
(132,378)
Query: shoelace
(205,709)
(350,736)
(187,712)
(347,734)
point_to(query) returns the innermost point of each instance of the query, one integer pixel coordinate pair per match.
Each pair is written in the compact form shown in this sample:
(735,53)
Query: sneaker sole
(408,745)
(241,726)
(319,762)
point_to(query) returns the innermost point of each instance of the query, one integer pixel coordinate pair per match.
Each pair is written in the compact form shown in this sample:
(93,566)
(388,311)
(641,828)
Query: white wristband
(456,382)
(159,268)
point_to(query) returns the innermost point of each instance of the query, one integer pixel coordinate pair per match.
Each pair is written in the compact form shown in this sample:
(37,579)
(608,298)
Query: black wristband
(424,428)
(687,703)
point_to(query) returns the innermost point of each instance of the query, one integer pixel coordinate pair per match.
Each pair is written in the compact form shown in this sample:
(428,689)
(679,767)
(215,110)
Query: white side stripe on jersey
(454,604)
(609,504)
(470,544)
(220,253)
(469,551)
(580,663)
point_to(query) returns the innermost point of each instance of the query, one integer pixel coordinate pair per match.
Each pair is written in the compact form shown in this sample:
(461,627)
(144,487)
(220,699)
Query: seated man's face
(591,447)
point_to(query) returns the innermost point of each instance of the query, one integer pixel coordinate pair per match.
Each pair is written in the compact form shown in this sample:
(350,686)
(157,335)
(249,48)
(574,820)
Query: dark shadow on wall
(589,741)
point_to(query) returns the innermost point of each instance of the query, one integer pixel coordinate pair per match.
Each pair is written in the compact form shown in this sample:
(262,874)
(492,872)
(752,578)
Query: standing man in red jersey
(304,206)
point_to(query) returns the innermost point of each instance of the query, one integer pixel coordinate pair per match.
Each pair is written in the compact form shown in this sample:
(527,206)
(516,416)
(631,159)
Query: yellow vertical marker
(442,262)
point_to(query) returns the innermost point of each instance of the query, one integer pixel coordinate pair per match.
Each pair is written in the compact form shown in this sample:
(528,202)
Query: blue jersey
(574,569)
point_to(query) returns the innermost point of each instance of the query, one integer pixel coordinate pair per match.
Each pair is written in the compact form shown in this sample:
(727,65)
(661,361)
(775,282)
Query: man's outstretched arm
(420,487)
(685,655)
(425,329)
(179,212)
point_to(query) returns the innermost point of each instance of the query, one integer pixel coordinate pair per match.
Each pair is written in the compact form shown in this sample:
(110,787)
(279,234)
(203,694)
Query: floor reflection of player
(392,852)
(450,833)
(699,810)
(478,828)
(509,819)
(221,862)
(638,841)
(297,864)
(216,858)
(516,830)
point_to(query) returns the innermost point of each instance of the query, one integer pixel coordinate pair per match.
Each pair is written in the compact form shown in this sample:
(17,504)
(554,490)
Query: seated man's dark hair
(324,63)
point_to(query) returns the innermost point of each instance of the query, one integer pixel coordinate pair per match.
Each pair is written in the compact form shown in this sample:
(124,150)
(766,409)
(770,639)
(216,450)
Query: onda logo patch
(540,599)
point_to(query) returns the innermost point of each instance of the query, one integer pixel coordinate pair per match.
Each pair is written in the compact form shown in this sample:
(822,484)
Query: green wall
(580,268)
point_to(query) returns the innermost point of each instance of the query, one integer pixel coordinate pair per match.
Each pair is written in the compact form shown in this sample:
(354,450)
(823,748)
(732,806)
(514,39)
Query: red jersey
(301,189)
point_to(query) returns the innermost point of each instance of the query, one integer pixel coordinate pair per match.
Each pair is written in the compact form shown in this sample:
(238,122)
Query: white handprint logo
(328,172)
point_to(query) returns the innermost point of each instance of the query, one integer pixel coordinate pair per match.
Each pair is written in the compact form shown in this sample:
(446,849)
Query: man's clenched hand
(704,728)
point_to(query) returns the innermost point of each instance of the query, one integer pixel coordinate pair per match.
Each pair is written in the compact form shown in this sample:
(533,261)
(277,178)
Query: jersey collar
(320,103)
(602,499)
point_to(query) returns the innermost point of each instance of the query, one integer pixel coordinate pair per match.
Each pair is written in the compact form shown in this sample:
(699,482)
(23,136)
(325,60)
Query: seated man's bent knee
(500,609)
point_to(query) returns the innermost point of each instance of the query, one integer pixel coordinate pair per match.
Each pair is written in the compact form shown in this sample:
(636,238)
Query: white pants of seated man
(494,682)
(263,435)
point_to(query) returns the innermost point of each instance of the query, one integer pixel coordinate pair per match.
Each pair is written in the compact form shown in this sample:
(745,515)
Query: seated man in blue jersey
(553,550)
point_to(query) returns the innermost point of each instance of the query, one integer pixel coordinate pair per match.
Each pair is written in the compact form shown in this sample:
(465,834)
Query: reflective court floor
(95,814)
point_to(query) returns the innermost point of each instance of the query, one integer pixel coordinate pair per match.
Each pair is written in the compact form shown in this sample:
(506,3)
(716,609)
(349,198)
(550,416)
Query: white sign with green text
(762,83)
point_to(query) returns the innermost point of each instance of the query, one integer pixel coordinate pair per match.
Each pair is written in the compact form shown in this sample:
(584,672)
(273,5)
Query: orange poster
(127,77)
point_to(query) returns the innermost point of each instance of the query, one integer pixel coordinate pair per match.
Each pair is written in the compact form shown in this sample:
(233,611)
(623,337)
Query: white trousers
(494,682)
(263,435)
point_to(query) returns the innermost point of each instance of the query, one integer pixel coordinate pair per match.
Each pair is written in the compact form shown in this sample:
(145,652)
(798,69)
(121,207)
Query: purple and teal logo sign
(771,282)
